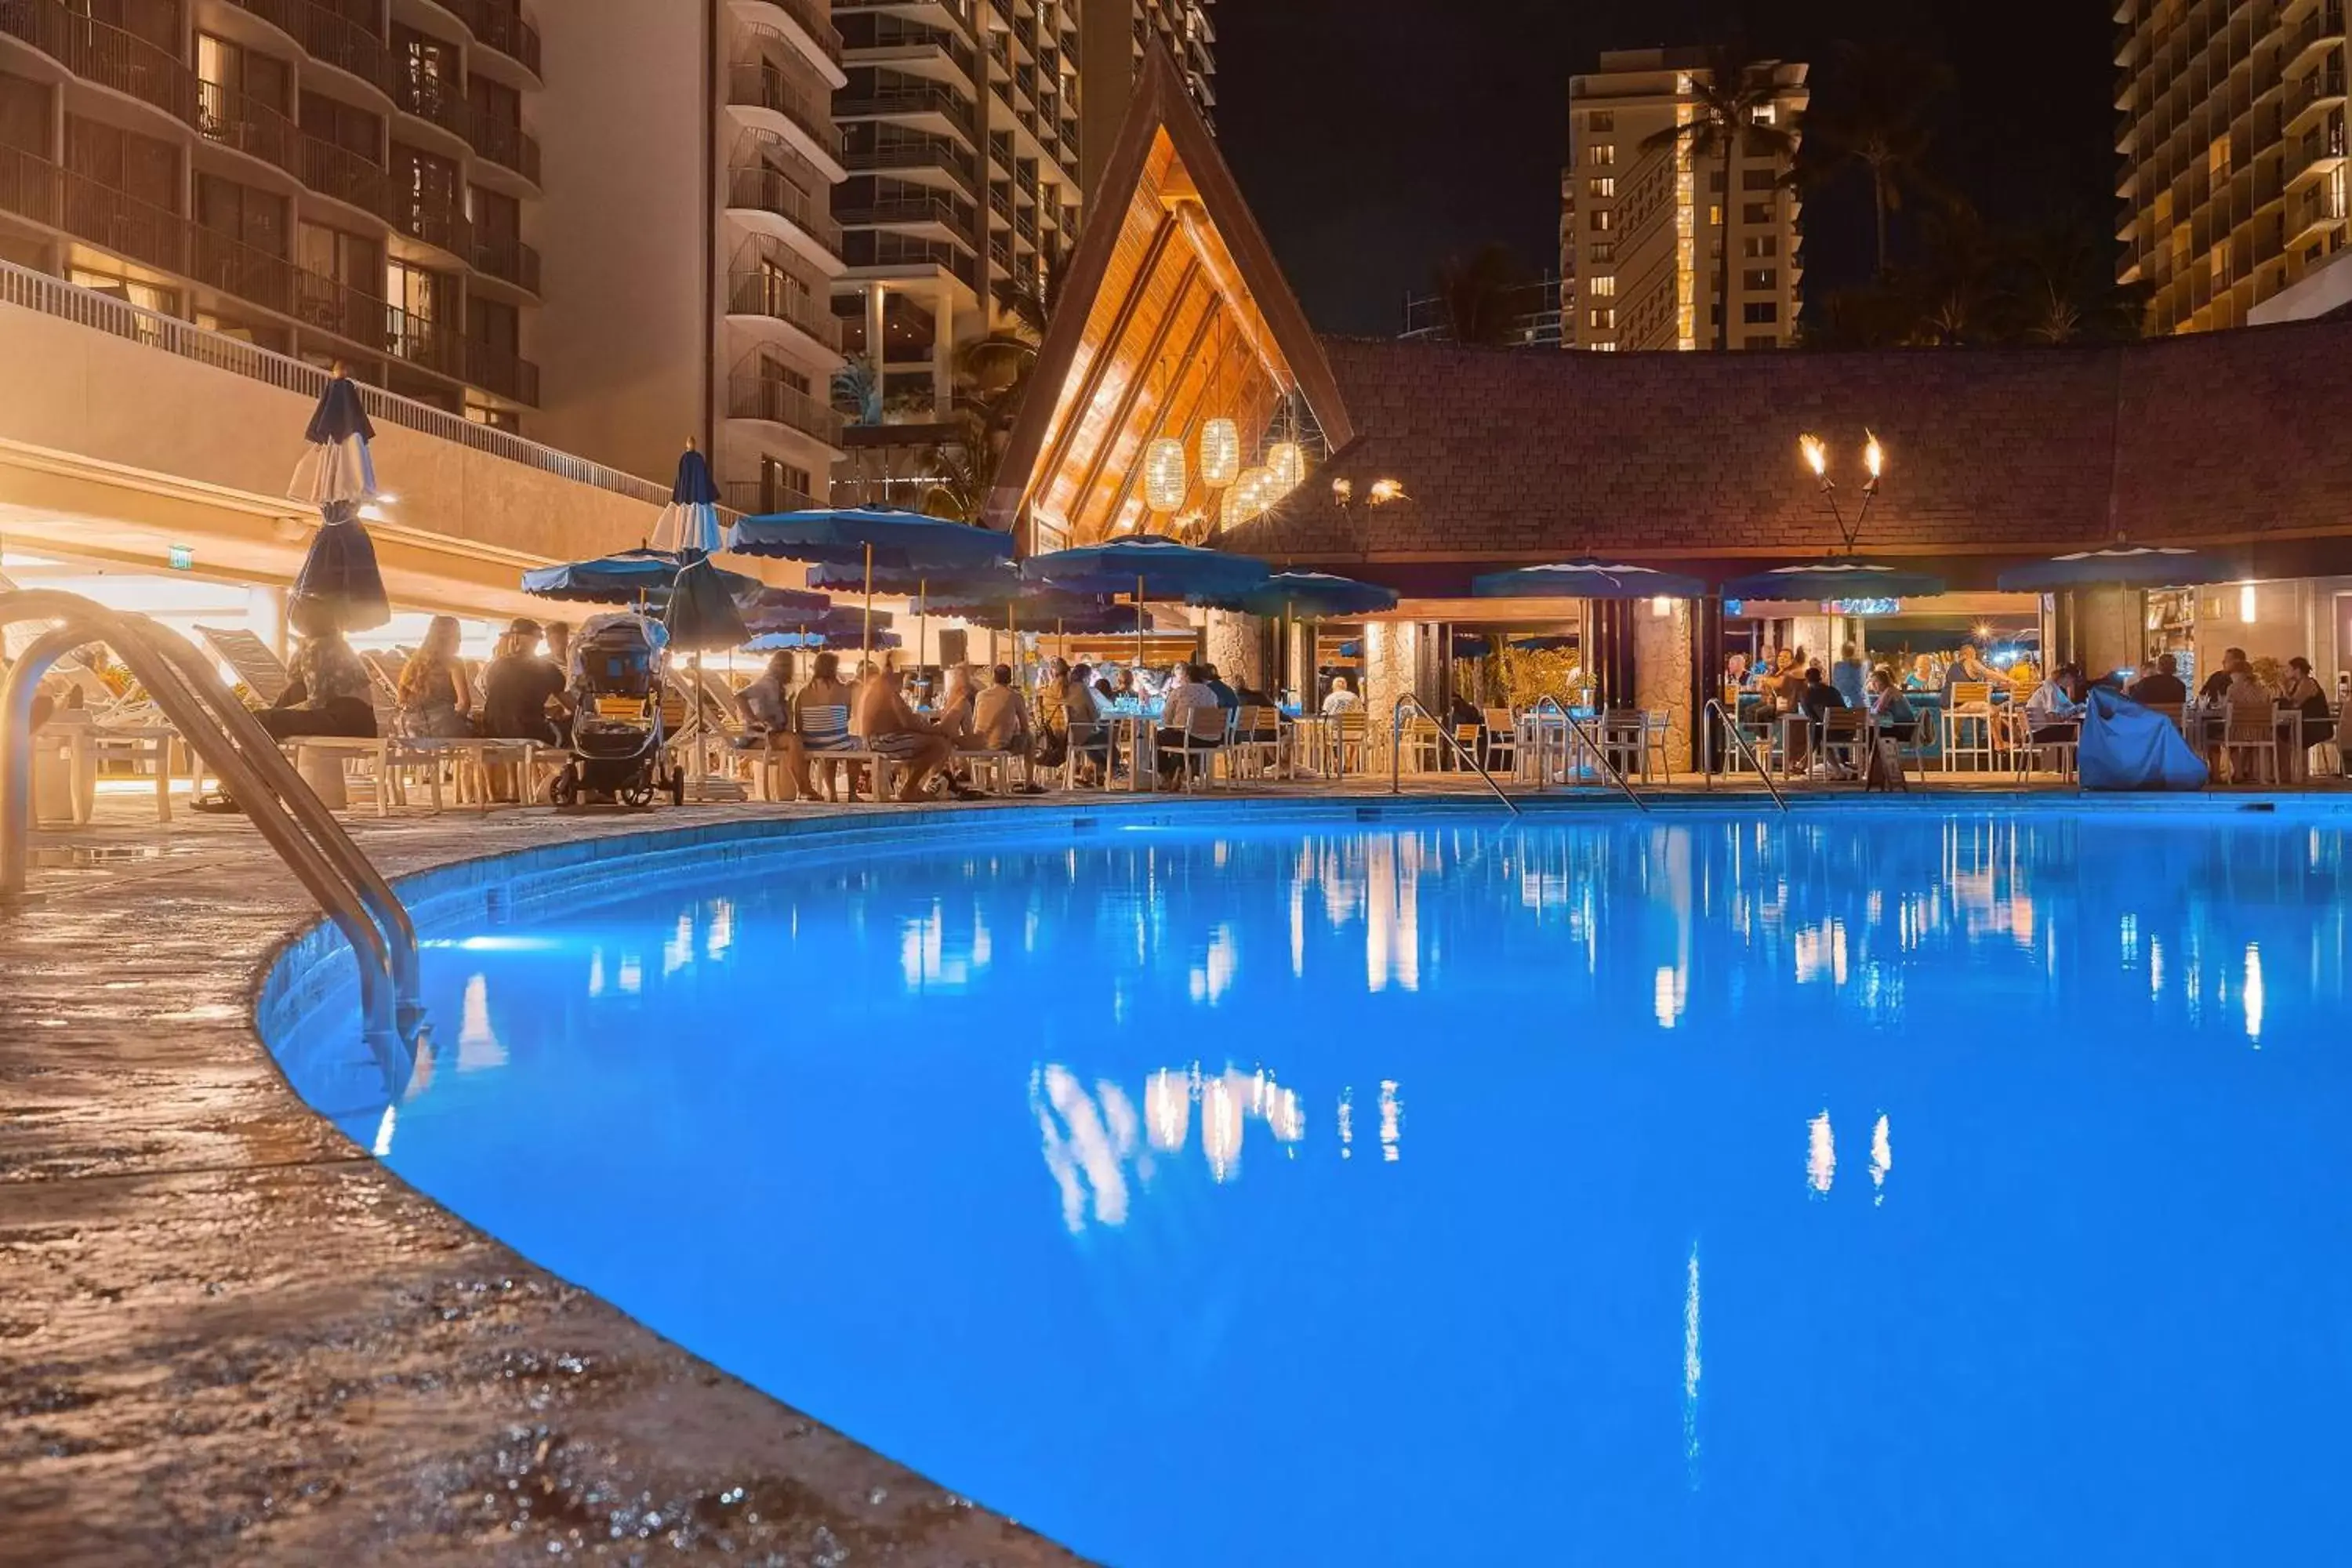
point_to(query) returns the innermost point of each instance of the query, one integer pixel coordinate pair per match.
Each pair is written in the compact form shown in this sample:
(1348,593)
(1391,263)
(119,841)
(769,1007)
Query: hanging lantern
(1287,464)
(1259,484)
(1221,453)
(1234,506)
(1163,474)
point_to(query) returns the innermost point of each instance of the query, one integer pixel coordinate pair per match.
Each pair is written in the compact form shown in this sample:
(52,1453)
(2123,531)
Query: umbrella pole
(922,618)
(701,735)
(1139,625)
(865,633)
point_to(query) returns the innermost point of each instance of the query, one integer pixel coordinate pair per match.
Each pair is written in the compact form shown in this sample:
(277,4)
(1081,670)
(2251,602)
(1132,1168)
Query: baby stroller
(618,747)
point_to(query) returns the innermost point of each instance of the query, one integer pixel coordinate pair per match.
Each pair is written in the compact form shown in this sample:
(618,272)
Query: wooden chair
(1206,733)
(1256,750)
(1968,725)
(2250,742)
(1657,740)
(1843,737)
(1502,741)
(1350,734)
(1625,740)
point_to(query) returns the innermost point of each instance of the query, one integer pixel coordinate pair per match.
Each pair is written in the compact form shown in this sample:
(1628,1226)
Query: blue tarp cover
(2125,746)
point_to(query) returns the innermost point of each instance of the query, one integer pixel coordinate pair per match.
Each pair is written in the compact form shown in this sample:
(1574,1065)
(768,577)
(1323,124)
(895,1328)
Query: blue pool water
(1891,1186)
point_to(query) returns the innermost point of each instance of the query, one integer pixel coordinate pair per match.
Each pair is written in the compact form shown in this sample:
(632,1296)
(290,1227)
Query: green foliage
(1723,128)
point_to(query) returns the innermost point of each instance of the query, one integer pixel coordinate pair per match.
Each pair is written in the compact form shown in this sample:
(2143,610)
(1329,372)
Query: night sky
(1375,137)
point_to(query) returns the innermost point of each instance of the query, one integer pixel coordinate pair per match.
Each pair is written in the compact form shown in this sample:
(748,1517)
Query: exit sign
(183,558)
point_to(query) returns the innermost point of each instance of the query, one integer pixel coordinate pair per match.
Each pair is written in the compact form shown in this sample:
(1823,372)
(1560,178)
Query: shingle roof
(1516,455)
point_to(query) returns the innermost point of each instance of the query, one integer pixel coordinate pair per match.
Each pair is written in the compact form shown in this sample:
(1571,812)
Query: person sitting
(1106,695)
(1000,722)
(1083,707)
(1850,676)
(892,730)
(2219,690)
(435,699)
(1783,686)
(2305,696)
(2162,686)
(765,705)
(1249,696)
(1340,700)
(1923,676)
(1967,668)
(328,693)
(1226,695)
(952,715)
(1186,696)
(518,687)
(1123,688)
(1889,704)
(2054,714)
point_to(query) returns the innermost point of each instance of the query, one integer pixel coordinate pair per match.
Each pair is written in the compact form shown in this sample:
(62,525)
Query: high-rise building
(1641,225)
(968,127)
(342,182)
(2233,151)
(1113,36)
(692,250)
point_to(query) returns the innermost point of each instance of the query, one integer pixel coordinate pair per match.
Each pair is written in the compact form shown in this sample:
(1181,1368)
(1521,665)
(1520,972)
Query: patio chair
(1350,734)
(1206,732)
(256,665)
(2250,742)
(1625,740)
(1968,725)
(1423,745)
(1657,740)
(1256,750)
(1502,741)
(1843,737)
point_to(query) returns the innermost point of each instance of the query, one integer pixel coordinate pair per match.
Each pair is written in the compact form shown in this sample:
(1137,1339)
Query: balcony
(908,212)
(495,370)
(761,397)
(812,16)
(500,28)
(436,222)
(233,119)
(343,175)
(758,84)
(765,190)
(774,296)
(327,36)
(907,103)
(870,248)
(105,55)
(901,152)
(760,497)
(895,35)
(503,142)
(509,260)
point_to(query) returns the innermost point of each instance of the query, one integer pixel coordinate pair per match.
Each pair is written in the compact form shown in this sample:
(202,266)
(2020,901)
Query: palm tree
(2067,289)
(1960,290)
(1480,295)
(1877,112)
(1729,117)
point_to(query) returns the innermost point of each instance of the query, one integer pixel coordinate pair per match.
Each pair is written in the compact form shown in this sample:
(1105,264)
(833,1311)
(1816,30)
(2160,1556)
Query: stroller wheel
(677,787)
(637,795)
(565,788)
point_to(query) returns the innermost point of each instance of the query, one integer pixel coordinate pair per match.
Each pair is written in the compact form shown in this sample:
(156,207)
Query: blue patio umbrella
(837,624)
(930,588)
(1843,577)
(1317,596)
(339,587)
(690,521)
(2121,566)
(771,602)
(1150,568)
(702,615)
(625,577)
(1036,609)
(1586,579)
(869,538)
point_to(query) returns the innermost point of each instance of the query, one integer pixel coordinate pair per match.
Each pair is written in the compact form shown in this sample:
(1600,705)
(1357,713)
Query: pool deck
(232,1337)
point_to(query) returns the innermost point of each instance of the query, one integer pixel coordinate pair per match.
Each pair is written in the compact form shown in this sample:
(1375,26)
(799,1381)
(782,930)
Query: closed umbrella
(339,587)
(2121,566)
(870,538)
(1842,578)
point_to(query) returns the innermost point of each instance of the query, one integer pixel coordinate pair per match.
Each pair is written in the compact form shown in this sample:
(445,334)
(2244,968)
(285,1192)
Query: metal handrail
(282,808)
(1396,750)
(1592,742)
(1715,706)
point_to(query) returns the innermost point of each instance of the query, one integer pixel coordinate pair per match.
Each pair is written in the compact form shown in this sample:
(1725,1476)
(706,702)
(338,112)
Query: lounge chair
(262,671)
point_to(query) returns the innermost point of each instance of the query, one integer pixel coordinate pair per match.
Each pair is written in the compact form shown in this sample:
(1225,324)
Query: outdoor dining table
(2204,728)
(1142,734)
(1311,738)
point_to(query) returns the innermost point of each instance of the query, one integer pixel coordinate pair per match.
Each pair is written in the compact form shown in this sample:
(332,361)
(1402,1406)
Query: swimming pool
(1921,1186)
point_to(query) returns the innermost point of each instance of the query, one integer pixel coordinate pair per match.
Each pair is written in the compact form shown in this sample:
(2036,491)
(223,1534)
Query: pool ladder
(1591,744)
(221,730)
(1396,749)
(1716,709)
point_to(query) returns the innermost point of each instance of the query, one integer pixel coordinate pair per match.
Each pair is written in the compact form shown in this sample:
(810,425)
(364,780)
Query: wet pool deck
(227,1335)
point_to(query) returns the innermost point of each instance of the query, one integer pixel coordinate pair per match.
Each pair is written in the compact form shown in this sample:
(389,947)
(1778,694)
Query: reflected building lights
(381,1148)
(478,1044)
(1820,1154)
(678,951)
(1391,1121)
(596,972)
(1882,1158)
(721,934)
(1168,1109)
(1692,1366)
(2250,994)
(1347,1122)
(632,977)
(1669,993)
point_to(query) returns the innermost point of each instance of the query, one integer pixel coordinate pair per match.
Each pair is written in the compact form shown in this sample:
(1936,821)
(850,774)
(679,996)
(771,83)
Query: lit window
(1598,119)
(1603,186)
(1606,348)
(1603,319)
(1603,252)
(1604,287)
(1603,221)
(1601,154)
(1760,247)
(1767,113)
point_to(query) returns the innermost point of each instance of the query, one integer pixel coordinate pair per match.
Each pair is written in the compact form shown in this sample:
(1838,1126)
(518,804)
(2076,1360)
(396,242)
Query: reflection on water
(1087,1133)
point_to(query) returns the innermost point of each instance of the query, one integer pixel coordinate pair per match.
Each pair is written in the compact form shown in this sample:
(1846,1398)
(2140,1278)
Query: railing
(249,125)
(219,728)
(757,498)
(509,260)
(779,403)
(327,37)
(765,190)
(1396,750)
(912,153)
(811,15)
(1591,741)
(27,289)
(1716,709)
(105,55)
(434,220)
(503,142)
(754,293)
(895,33)
(908,210)
(497,370)
(872,248)
(338,171)
(500,27)
(937,100)
(760,85)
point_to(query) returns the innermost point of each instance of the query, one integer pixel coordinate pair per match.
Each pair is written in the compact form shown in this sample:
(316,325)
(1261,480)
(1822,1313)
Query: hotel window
(1759,247)
(141,167)
(1603,319)
(428,64)
(24,115)
(782,486)
(2218,157)
(1714,214)
(1753,342)
(1603,186)
(1764,114)
(1756,279)
(480,413)
(354,130)
(1760,312)
(1601,252)
(413,290)
(250,217)
(1605,348)
(496,326)
(1758,179)
(1600,120)
(1604,287)
(233,68)
(1756,211)
(352,260)
(1601,154)
(1603,221)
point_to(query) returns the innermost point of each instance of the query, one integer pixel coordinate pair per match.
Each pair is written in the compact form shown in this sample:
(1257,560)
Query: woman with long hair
(436,699)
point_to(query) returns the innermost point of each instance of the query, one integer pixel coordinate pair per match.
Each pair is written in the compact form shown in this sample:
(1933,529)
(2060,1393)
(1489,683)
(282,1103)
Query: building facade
(2232,136)
(692,253)
(1641,225)
(1113,35)
(348,182)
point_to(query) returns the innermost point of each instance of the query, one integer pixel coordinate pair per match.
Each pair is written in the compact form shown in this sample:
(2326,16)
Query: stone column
(1237,648)
(1662,668)
(2110,630)
(1391,650)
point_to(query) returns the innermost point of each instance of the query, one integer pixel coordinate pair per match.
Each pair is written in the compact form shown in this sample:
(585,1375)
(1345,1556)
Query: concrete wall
(626,339)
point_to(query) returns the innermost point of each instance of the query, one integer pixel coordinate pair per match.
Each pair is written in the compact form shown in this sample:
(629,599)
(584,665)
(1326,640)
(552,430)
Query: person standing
(1850,676)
